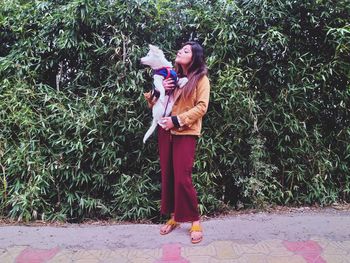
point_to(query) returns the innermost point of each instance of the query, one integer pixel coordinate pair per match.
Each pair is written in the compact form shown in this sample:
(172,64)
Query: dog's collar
(159,70)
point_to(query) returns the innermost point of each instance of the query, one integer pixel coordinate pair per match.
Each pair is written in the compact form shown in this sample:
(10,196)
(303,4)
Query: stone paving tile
(285,259)
(144,255)
(239,248)
(172,253)
(156,253)
(276,248)
(141,260)
(11,253)
(37,254)
(225,261)
(91,256)
(321,241)
(115,260)
(115,257)
(345,246)
(62,256)
(259,248)
(110,255)
(8,258)
(118,255)
(199,251)
(224,250)
(84,256)
(310,250)
(333,248)
(267,251)
(336,258)
(335,251)
(253,258)
(101,254)
(200,259)
(4,254)
(267,247)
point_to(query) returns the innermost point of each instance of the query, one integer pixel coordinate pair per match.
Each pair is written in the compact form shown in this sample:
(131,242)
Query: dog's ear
(156,50)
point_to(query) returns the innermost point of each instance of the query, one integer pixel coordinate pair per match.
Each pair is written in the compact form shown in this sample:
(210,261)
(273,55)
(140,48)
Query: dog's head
(155,58)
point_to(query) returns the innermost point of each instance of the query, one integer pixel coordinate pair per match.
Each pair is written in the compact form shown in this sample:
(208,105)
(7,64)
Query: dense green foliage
(73,115)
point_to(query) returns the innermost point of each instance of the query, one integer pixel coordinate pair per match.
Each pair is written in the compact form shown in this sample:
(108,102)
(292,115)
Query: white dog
(162,69)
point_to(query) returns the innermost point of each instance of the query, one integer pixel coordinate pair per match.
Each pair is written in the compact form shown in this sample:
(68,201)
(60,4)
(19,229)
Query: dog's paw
(182,82)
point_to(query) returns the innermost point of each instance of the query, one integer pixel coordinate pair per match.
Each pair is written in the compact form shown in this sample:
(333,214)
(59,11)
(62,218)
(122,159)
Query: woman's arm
(202,100)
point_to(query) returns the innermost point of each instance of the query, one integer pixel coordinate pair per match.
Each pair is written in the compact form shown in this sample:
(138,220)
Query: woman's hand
(167,123)
(168,84)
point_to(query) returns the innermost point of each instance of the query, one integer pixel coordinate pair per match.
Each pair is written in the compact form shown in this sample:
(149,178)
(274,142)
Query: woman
(177,140)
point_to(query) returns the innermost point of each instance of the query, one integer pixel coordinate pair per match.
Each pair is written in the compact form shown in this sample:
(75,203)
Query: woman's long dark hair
(196,70)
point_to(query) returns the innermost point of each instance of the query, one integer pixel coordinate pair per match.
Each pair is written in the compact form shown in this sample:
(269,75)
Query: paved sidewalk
(298,237)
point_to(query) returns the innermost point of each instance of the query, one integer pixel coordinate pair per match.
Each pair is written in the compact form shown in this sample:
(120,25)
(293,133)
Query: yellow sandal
(196,228)
(173,224)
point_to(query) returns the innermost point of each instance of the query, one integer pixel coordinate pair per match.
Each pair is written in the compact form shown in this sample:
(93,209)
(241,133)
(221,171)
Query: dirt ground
(334,209)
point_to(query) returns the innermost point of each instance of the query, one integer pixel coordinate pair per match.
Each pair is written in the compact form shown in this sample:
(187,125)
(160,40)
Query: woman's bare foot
(196,232)
(169,226)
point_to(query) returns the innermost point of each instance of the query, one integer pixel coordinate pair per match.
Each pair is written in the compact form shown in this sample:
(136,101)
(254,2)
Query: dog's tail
(150,130)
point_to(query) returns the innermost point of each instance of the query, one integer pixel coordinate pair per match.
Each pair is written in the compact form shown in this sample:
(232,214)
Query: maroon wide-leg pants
(176,154)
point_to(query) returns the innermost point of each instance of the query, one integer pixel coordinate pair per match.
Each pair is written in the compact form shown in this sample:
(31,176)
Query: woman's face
(184,56)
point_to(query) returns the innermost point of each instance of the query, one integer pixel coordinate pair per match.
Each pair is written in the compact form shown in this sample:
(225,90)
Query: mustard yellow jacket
(190,111)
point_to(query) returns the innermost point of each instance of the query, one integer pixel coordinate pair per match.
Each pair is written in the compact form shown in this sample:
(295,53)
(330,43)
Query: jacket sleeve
(201,105)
